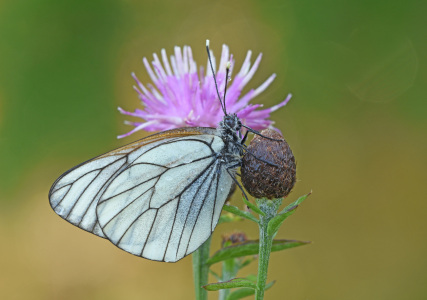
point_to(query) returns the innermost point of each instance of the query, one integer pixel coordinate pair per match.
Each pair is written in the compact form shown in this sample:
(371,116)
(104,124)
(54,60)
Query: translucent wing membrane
(159,197)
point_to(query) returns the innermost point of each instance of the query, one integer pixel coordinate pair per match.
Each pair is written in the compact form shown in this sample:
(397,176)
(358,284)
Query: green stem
(201,270)
(229,271)
(269,207)
(264,256)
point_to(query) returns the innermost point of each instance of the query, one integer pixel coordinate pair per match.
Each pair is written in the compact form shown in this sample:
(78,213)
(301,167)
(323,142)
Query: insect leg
(260,159)
(235,180)
(245,137)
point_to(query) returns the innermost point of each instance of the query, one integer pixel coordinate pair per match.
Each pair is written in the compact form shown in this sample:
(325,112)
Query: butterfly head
(230,123)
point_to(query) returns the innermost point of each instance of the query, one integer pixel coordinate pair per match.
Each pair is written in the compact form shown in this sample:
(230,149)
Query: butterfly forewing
(158,198)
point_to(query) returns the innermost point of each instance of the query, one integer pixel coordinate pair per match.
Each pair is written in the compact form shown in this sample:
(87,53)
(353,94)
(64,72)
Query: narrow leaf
(295,203)
(269,285)
(240,213)
(252,277)
(276,222)
(233,283)
(229,217)
(250,248)
(253,207)
(246,262)
(245,292)
(240,293)
(214,274)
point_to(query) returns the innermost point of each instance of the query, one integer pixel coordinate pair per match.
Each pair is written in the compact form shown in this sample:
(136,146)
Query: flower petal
(180,95)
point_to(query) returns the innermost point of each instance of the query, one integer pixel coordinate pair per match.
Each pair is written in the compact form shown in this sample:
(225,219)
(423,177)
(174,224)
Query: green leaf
(269,285)
(245,292)
(253,207)
(295,203)
(246,262)
(240,293)
(252,277)
(214,274)
(233,283)
(229,217)
(250,248)
(279,245)
(240,213)
(274,224)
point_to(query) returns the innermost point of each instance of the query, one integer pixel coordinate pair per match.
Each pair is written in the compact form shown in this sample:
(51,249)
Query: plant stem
(229,271)
(269,207)
(201,270)
(265,243)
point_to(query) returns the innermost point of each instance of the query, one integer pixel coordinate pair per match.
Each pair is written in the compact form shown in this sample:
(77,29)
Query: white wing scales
(160,201)
(168,203)
(74,196)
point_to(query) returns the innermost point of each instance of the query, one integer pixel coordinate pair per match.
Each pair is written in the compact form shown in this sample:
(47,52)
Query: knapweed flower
(184,95)
(263,180)
(233,239)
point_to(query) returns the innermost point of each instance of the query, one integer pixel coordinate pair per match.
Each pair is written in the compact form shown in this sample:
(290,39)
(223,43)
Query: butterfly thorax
(228,129)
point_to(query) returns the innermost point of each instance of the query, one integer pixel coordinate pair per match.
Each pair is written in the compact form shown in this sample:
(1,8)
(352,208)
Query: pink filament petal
(181,96)
(283,103)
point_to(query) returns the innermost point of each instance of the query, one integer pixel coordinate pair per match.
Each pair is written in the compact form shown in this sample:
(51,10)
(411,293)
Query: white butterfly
(159,197)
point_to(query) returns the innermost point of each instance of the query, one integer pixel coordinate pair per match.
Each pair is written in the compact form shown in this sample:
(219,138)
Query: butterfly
(159,197)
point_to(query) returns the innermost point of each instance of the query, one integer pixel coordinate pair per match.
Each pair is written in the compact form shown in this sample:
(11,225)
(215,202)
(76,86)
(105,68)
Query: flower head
(233,239)
(263,180)
(183,95)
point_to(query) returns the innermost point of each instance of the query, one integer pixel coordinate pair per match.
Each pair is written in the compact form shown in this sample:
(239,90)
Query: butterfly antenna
(261,135)
(227,73)
(214,77)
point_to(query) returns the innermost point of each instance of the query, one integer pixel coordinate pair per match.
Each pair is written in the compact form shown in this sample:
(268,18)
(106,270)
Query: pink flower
(181,96)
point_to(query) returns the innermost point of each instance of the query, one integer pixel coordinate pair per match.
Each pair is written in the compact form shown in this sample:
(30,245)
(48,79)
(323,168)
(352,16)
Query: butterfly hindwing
(163,210)
(75,194)
(159,197)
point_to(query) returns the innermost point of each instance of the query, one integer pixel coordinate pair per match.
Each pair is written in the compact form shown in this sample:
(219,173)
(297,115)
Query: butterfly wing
(159,197)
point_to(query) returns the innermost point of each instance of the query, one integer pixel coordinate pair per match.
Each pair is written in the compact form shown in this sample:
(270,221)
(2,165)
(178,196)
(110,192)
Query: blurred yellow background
(356,124)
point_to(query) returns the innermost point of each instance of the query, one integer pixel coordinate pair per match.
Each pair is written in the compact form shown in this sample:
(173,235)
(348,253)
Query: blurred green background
(356,124)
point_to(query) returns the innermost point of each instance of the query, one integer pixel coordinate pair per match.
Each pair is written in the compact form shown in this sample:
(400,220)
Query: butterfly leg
(245,137)
(243,147)
(235,180)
